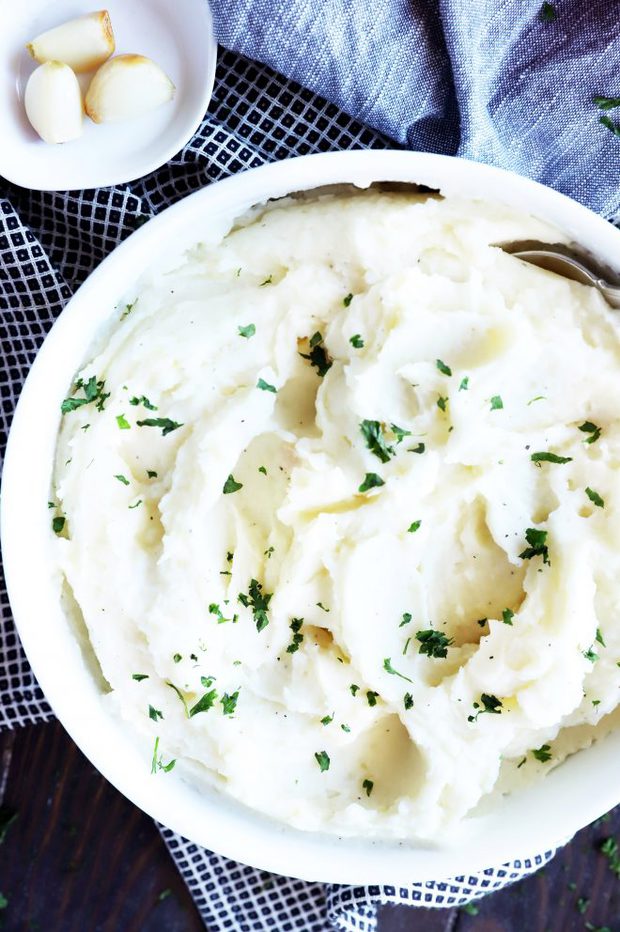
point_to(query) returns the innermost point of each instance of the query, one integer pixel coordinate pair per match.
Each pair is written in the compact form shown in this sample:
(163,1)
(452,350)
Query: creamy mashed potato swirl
(341,512)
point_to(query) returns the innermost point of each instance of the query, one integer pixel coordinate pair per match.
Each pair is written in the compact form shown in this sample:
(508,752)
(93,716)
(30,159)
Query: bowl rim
(533,820)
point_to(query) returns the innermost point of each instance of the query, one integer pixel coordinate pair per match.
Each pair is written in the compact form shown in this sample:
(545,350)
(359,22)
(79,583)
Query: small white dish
(537,818)
(178,36)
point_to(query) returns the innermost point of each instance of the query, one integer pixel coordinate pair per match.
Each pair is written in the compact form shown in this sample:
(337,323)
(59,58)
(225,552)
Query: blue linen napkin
(509,82)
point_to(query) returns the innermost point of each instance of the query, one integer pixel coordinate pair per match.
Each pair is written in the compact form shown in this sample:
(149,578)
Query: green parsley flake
(442,402)
(371,697)
(318,355)
(122,479)
(346,728)
(231,485)
(354,688)
(387,666)
(322,759)
(266,386)
(490,704)
(606,103)
(496,403)
(433,643)
(470,909)
(138,677)
(399,432)
(547,12)
(93,392)
(406,647)
(372,432)
(405,620)
(589,428)
(58,524)
(371,481)
(542,753)
(550,458)
(327,719)
(537,545)
(595,498)
(413,527)
(408,701)
(367,785)
(142,400)
(507,616)
(582,905)
(599,637)
(445,370)
(356,341)
(463,387)
(420,448)
(537,398)
(205,703)
(122,422)
(347,300)
(135,504)
(258,602)
(229,702)
(157,762)
(590,655)
(248,331)
(609,847)
(167,426)
(611,126)
(263,470)
(177,658)
(298,637)
(321,606)
(214,609)
(268,281)
(151,474)
(155,714)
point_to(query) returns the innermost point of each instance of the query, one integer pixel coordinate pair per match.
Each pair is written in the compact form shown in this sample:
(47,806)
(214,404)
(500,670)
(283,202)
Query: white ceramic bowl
(538,818)
(177,35)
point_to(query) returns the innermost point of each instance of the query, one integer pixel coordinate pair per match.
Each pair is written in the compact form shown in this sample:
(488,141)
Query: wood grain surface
(78,857)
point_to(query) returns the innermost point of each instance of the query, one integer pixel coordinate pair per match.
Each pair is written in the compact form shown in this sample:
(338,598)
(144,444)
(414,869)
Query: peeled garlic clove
(127,86)
(83,43)
(53,102)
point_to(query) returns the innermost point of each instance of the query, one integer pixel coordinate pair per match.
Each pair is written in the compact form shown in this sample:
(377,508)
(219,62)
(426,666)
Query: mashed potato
(341,513)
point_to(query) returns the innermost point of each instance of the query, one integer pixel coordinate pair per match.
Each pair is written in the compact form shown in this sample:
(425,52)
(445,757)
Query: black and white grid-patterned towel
(49,243)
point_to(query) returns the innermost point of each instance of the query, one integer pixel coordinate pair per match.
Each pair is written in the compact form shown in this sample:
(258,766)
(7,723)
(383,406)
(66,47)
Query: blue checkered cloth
(510,82)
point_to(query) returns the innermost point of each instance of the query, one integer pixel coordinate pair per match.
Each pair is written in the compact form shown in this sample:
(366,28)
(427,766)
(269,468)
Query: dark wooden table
(78,857)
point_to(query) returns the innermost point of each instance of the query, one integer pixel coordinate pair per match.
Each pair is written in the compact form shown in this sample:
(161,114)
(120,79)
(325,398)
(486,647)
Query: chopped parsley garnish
(258,602)
(387,666)
(135,504)
(442,402)
(177,658)
(496,403)
(214,609)
(606,103)
(167,426)
(93,391)
(347,299)
(589,428)
(266,386)
(609,847)
(345,728)
(231,485)
(406,619)
(595,498)
(205,703)
(464,384)
(420,448)
(122,422)
(138,677)
(371,697)
(354,689)
(542,753)
(590,655)
(151,474)
(372,431)
(318,355)
(321,606)
(445,370)
(433,643)
(582,905)
(129,307)
(322,759)
(413,527)
(408,701)
(490,704)
(356,341)
(122,479)
(507,616)
(600,638)
(157,764)
(611,126)
(548,12)
(327,719)
(537,545)
(155,714)
(371,481)
(58,524)
(550,458)
(248,331)
(142,400)
(298,637)
(267,553)
(268,281)
(262,469)
(180,695)
(367,785)
(399,432)
(405,648)
(51,504)
(229,702)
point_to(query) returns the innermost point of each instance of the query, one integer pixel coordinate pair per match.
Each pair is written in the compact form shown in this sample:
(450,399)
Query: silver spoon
(562,261)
